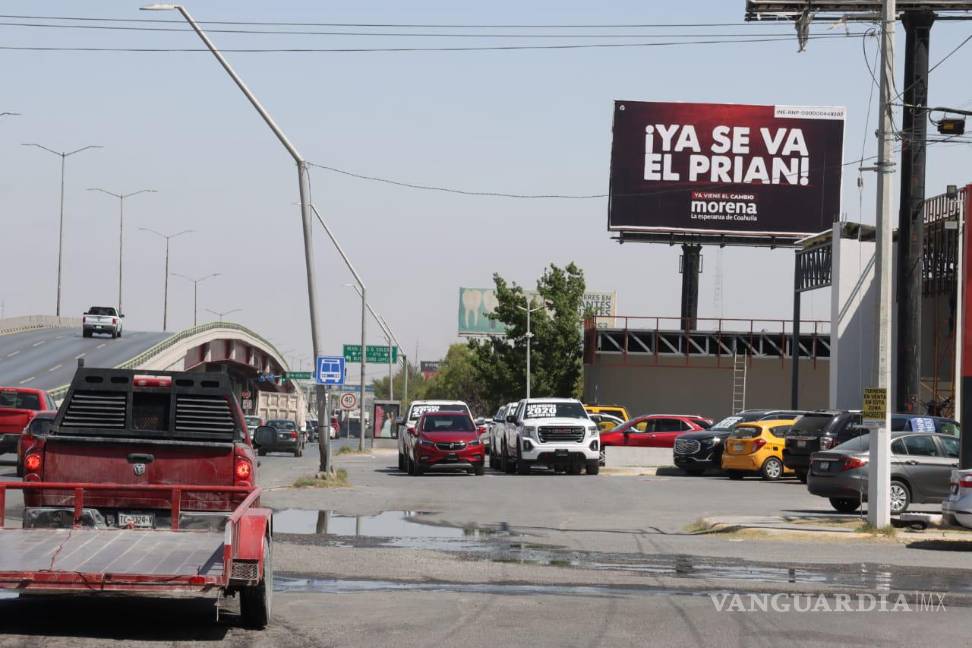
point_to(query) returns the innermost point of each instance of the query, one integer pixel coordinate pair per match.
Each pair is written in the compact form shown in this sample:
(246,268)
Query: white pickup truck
(554,432)
(101,319)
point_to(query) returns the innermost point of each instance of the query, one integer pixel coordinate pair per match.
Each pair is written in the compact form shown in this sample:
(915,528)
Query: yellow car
(756,447)
(613,410)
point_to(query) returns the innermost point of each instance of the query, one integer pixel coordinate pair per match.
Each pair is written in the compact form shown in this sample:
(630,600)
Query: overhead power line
(478,48)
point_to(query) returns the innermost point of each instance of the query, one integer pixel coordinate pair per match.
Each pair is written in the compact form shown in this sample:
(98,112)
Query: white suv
(554,432)
(406,424)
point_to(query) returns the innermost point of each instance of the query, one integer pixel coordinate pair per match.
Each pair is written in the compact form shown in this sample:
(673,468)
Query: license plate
(561,453)
(737,447)
(283,436)
(823,465)
(136,520)
(801,444)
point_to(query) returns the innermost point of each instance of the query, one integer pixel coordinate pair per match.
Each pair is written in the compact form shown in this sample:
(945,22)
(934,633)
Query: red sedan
(654,430)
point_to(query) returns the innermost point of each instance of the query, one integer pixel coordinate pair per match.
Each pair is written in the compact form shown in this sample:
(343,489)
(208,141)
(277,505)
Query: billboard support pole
(691,262)
(914,126)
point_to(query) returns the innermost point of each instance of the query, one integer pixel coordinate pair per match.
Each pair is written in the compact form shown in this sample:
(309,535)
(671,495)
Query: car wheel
(480,469)
(845,504)
(409,465)
(593,468)
(772,469)
(735,474)
(522,467)
(802,476)
(419,468)
(602,458)
(575,468)
(401,461)
(506,463)
(560,470)
(255,601)
(900,497)
(85,333)
(261,452)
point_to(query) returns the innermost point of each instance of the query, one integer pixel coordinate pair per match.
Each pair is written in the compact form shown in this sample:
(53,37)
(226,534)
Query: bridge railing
(133,363)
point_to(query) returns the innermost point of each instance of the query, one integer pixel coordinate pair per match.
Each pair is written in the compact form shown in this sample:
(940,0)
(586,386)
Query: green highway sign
(299,375)
(376,354)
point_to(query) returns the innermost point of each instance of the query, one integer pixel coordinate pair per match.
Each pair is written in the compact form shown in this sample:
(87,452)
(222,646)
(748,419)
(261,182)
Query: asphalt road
(47,358)
(539,560)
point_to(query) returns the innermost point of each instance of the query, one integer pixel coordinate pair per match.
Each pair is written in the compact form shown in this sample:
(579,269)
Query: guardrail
(59,392)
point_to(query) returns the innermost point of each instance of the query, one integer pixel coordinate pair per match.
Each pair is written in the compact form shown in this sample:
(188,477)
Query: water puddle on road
(389,529)
(416,530)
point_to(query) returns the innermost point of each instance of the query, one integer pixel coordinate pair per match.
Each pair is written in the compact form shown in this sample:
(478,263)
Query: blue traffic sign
(330,370)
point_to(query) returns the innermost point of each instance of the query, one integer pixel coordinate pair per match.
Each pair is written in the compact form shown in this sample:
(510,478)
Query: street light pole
(121,230)
(165,291)
(529,337)
(304,202)
(60,229)
(195,291)
(220,315)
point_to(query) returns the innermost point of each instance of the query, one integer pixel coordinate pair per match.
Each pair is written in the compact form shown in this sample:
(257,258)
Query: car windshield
(554,410)
(812,424)
(419,410)
(728,423)
(100,310)
(448,423)
(19,400)
(282,424)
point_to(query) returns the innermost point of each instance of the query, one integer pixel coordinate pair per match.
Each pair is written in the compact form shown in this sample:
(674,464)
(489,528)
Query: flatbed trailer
(172,561)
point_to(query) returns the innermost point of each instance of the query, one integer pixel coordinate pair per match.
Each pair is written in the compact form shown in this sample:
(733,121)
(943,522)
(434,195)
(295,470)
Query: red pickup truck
(145,483)
(18,405)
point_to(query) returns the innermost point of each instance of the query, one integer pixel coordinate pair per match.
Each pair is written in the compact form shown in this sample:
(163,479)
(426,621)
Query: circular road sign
(348,400)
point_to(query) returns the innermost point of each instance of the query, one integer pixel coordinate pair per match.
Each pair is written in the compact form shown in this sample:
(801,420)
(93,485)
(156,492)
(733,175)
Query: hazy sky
(507,121)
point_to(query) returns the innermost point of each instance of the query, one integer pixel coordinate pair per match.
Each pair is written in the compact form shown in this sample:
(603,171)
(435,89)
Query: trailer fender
(255,529)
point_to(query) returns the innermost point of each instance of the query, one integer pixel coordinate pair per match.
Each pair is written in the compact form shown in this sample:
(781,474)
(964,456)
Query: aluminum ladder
(739,368)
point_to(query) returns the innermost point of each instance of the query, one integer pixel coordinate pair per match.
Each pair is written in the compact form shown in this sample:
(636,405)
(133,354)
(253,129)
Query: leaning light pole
(60,230)
(304,199)
(165,290)
(195,291)
(121,230)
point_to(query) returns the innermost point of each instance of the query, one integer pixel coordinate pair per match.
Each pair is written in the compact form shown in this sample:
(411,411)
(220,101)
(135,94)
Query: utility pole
(691,266)
(60,229)
(879,471)
(914,128)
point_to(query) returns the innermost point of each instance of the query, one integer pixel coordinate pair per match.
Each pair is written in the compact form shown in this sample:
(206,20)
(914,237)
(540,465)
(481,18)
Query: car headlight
(716,440)
(594,431)
(530,431)
(426,443)
(473,443)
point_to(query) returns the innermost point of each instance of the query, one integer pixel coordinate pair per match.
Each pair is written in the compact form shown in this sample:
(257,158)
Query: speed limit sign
(348,400)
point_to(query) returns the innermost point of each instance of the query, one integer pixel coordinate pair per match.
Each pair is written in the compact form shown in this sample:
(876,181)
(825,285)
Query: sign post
(874,414)
(328,370)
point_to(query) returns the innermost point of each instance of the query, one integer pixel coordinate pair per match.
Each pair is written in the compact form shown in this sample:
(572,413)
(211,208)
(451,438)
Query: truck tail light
(242,471)
(152,381)
(293,434)
(758,443)
(850,463)
(966,482)
(33,462)
(114,320)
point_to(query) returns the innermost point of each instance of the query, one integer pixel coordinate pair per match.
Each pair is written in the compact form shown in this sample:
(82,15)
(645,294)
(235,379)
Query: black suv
(696,452)
(815,431)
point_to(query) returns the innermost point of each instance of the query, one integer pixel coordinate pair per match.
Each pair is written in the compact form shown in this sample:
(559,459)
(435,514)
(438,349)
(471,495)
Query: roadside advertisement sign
(475,305)
(429,368)
(383,418)
(875,406)
(725,168)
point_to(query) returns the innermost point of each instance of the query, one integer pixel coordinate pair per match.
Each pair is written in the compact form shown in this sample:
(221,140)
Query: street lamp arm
(172,236)
(140,191)
(83,148)
(105,191)
(149,229)
(340,250)
(41,146)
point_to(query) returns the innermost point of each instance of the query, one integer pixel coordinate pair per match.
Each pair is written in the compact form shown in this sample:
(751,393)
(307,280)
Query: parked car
(36,429)
(18,405)
(554,432)
(905,423)
(444,439)
(756,447)
(497,432)
(921,465)
(102,319)
(614,410)
(957,506)
(313,429)
(815,431)
(606,422)
(696,452)
(279,435)
(652,431)
(406,424)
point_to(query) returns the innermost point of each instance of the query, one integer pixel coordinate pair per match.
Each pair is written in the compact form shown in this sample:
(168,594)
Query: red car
(444,439)
(654,430)
(18,405)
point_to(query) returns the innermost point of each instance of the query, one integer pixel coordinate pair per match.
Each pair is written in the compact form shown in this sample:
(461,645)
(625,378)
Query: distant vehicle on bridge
(102,319)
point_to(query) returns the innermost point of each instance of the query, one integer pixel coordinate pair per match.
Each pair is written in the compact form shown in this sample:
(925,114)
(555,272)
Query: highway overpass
(43,352)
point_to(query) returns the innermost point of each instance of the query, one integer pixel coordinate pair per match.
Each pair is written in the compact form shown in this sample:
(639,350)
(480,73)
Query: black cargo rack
(159,405)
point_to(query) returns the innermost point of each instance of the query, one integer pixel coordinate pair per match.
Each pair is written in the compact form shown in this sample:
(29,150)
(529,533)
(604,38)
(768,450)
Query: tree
(456,380)
(499,363)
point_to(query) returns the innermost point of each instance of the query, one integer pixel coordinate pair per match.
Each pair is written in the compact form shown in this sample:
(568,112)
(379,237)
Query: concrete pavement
(47,358)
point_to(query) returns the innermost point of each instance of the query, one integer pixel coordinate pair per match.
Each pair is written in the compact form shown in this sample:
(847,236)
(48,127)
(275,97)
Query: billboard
(725,168)
(475,305)
(429,368)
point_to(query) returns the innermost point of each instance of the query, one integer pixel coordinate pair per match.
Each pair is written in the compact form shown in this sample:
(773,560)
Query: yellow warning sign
(875,403)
